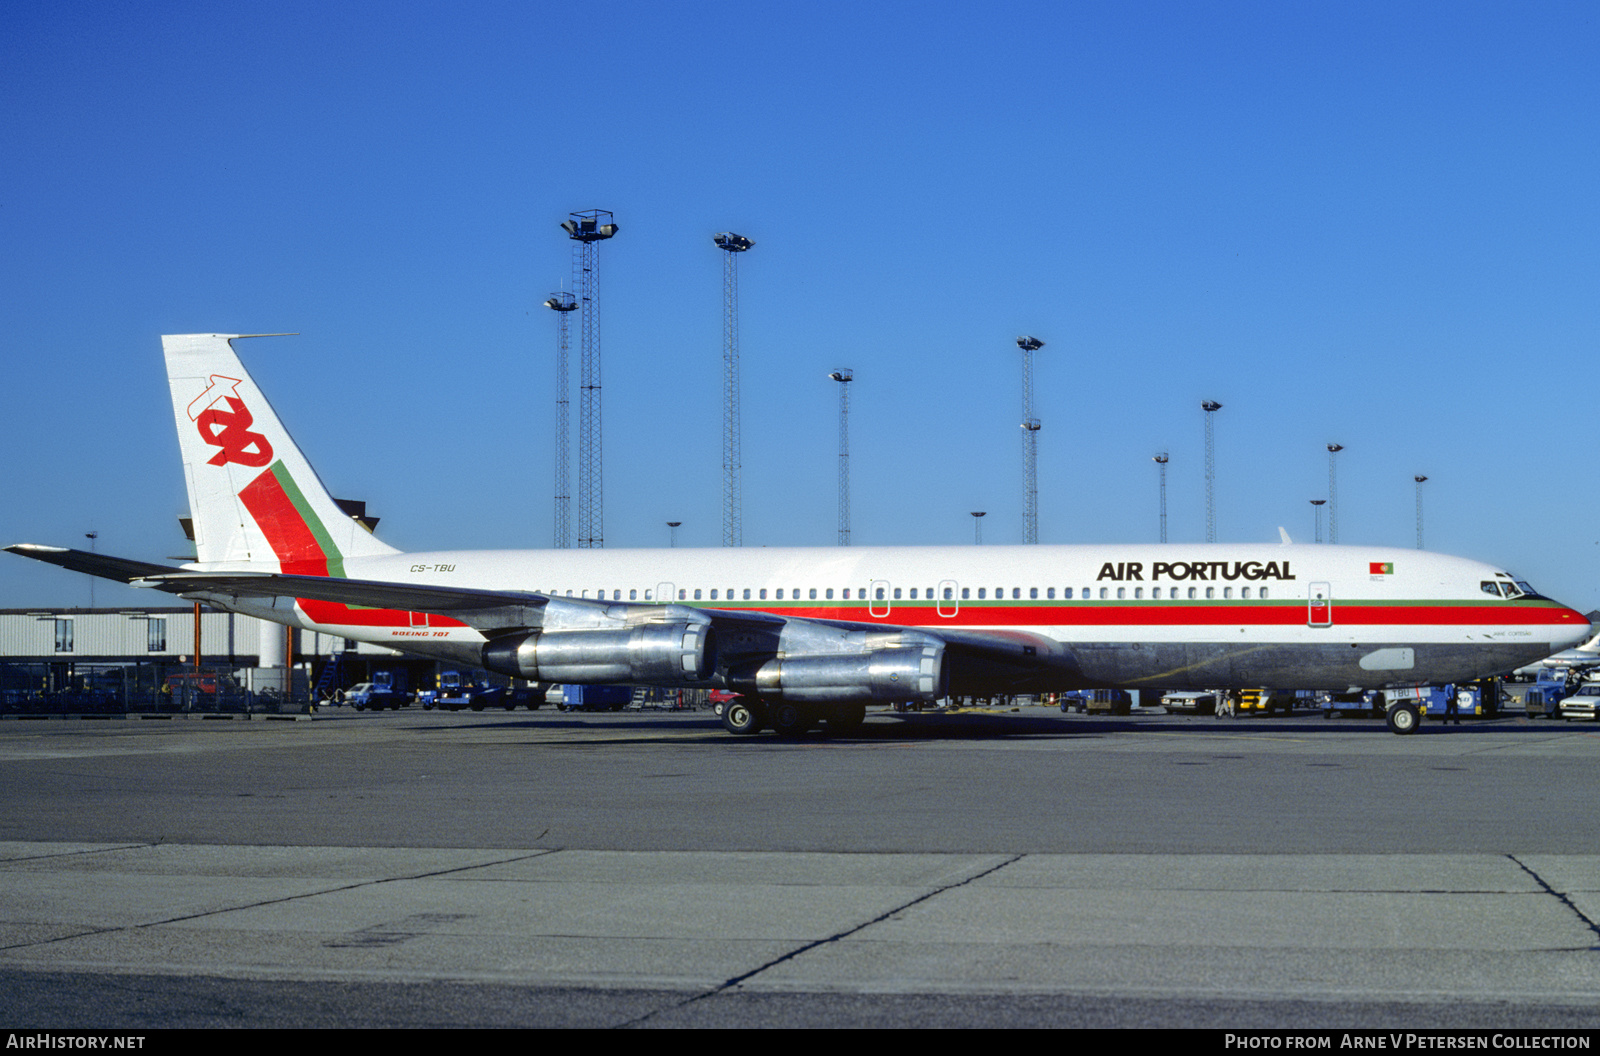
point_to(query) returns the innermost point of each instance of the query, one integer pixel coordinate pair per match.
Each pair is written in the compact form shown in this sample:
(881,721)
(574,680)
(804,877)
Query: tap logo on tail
(228,429)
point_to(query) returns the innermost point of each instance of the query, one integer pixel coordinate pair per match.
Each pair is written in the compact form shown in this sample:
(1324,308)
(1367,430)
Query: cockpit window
(1508,588)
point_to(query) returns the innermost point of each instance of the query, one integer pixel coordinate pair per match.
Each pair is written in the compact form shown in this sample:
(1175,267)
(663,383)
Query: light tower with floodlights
(1161,462)
(844,376)
(562,304)
(732,488)
(1030,443)
(1419,478)
(1333,492)
(1211,407)
(587,230)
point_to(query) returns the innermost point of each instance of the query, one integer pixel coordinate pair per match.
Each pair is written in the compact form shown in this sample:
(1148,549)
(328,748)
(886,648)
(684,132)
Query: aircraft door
(949,598)
(1319,608)
(665,594)
(878,598)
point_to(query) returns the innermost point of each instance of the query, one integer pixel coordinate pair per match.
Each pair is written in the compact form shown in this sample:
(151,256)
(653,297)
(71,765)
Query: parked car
(365,695)
(1200,703)
(1584,704)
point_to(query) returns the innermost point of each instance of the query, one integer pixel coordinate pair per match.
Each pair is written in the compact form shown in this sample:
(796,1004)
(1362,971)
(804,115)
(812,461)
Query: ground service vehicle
(807,636)
(373,696)
(1583,705)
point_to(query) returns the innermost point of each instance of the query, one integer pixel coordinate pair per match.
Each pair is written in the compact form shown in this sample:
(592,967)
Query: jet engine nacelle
(656,654)
(882,675)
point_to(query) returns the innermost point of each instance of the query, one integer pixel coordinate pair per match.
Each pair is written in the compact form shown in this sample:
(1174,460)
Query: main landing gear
(744,715)
(1404,718)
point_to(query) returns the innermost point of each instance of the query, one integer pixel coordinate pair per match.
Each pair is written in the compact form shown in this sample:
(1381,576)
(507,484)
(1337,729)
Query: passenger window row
(928,593)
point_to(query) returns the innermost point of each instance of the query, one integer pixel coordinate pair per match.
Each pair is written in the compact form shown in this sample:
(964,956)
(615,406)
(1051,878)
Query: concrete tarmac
(646,869)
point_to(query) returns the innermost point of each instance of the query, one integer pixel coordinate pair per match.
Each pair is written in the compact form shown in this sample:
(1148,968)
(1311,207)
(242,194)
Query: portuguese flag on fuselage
(1381,568)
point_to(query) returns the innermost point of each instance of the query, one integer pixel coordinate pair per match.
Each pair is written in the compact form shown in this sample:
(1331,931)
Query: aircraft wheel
(846,719)
(1404,718)
(790,720)
(742,716)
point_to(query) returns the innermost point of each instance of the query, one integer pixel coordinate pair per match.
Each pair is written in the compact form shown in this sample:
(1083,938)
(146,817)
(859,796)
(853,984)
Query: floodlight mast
(732,486)
(1316,507)
(1333,492)
(1211,407)
(977,526)
(1161,462)
(562,303)
(844,376)
(1419,478)
(1030,443)
(587,230)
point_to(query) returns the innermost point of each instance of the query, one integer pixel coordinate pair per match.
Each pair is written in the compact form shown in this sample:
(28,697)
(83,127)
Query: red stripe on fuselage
(336,614)
(1100,614)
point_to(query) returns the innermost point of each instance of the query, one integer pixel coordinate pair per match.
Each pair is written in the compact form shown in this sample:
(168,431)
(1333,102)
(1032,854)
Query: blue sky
(1374,224)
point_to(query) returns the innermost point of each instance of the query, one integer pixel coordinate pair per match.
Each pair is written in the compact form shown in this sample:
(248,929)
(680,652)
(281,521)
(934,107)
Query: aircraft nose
(1574,629)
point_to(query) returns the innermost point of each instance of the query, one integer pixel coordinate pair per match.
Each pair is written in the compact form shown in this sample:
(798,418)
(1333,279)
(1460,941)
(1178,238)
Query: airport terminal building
(183,657)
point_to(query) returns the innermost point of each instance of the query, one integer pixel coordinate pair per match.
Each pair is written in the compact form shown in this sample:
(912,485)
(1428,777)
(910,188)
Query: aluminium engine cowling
(657,654)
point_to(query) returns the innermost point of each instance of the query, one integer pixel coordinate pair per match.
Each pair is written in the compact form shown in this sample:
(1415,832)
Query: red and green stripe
(294,531)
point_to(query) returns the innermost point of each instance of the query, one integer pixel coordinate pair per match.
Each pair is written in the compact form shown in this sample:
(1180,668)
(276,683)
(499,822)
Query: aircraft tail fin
(253,495)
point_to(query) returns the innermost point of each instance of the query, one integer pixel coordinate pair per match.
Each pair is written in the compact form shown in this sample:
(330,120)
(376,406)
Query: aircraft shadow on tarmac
(974,725)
